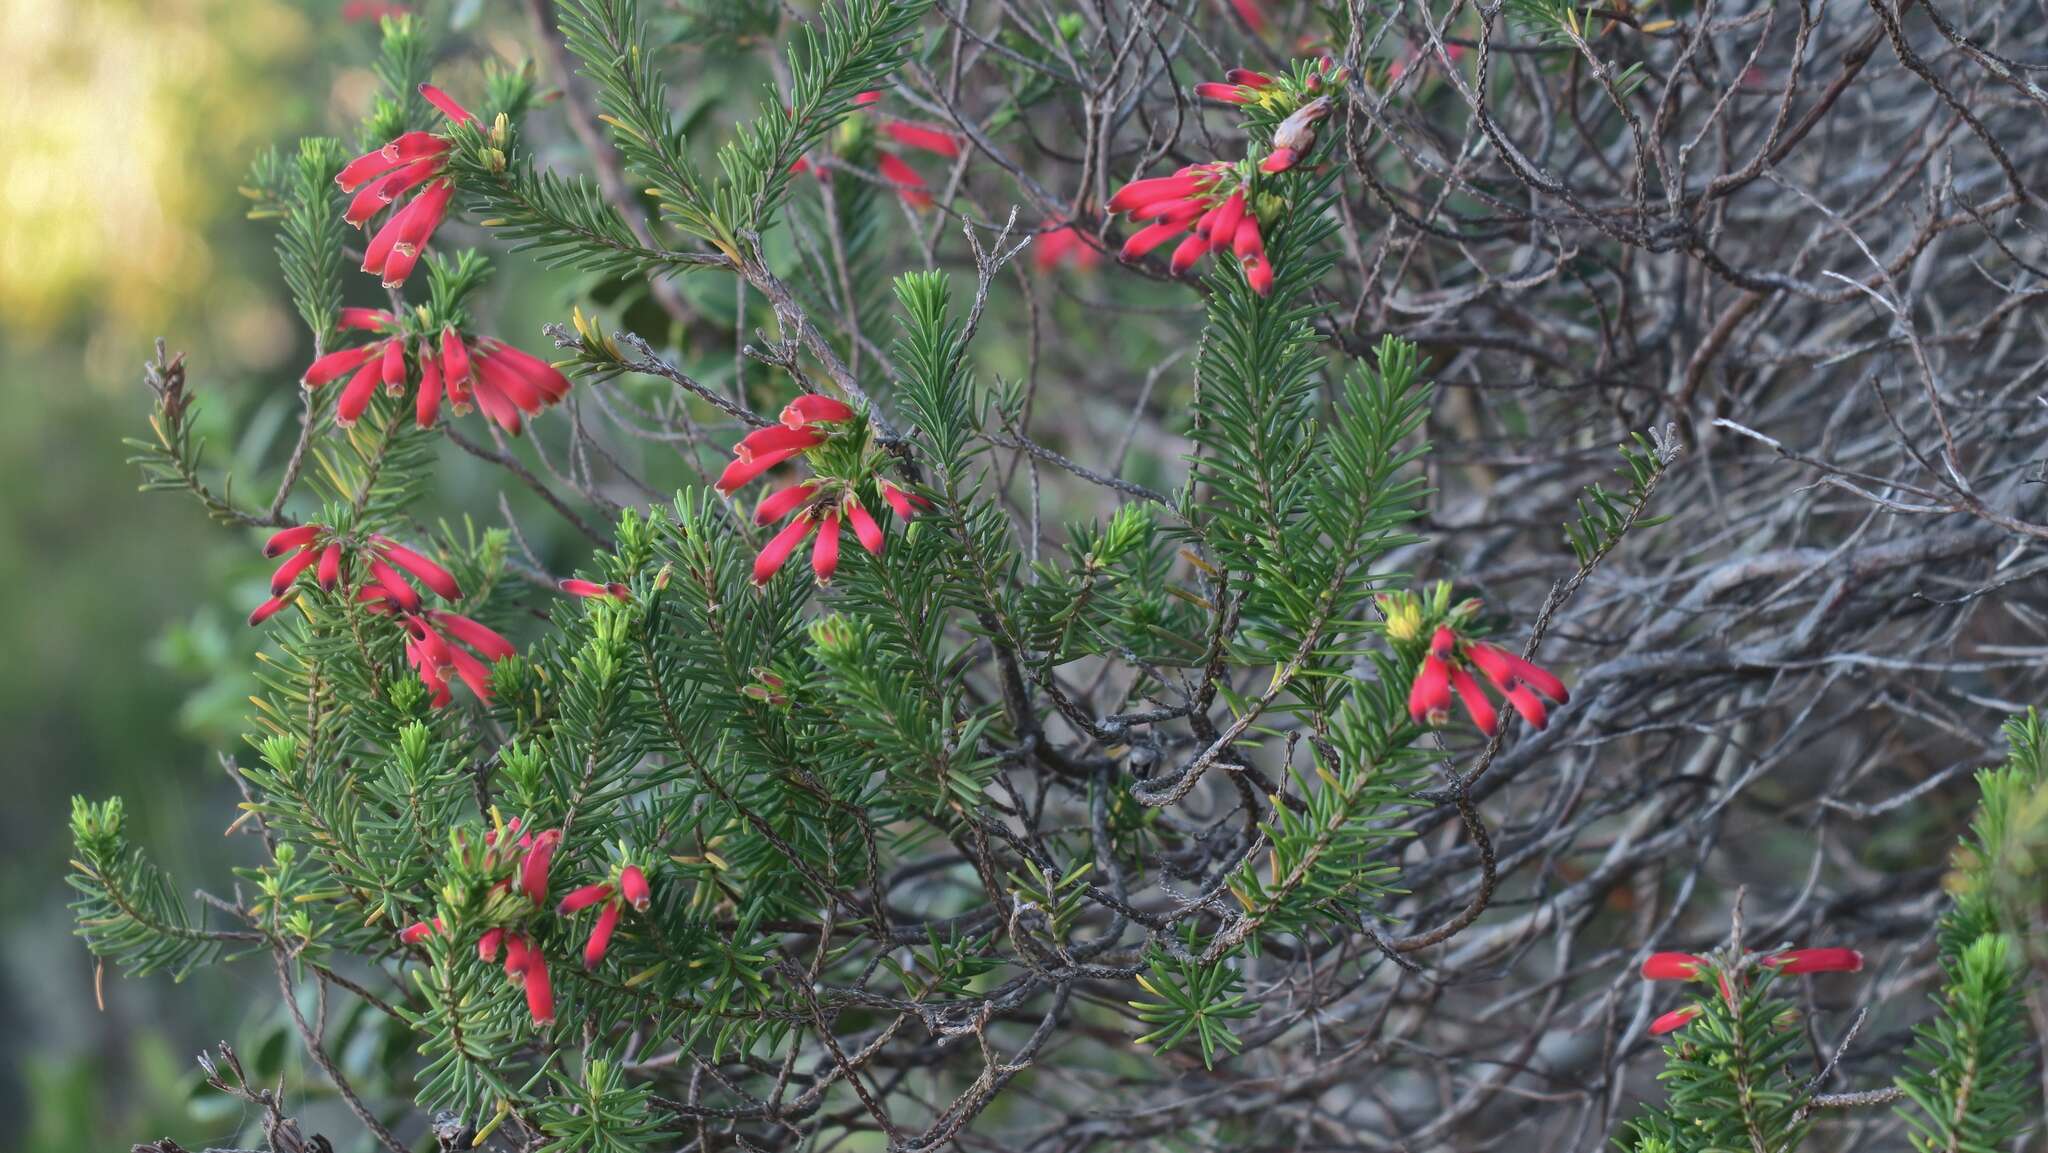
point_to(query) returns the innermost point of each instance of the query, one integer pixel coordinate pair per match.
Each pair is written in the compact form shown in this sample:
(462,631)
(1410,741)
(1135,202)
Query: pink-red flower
(1207,205)
(577,587)
(507,384)
(1294,136)
(611,897)
(409,161)
(1672,966)
(1816,961)
(438,643)
(822,505)
(524,869)
(1447,668)
(1675,1019)
(1064,245)
(1238,86)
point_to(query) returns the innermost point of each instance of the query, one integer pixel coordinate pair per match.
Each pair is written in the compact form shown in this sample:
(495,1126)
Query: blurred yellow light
(124,125)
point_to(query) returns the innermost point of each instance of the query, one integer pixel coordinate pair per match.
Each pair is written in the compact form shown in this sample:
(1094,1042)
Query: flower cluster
(1448,665)
(1211,204)
(1690,966)
(435,639)
(514,898)
(629,888)
(820,505)
(910,186)
(379,177)
(1295,134)
(506,383)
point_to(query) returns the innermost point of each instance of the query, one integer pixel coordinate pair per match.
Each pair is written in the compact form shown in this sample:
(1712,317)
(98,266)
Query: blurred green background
(125,128)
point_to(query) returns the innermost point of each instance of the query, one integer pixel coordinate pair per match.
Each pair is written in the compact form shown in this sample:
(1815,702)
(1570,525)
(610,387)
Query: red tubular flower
(784,502)
(825,550)
(778,548)
(1226,93)
(815,408)
(337,364)
(486,641)
(540,989)
(865,529)
(633,887)
(391,367)
(909,185)
(285,540)
(427,405)
(601,934)
(1064,245)
(1253,15)
(543,377)
(455,365)
(1672,966)
(1504,668)
(1248,78)
(906,504)
(365,320)
(399,150)
(416,932)
(922,137)
(267,609)
(447,105)
(583,898)
(533,870)
(1816,961)
(1150,237)
(487,945)
(400,593)
(740,472)
(587,589)
(1279,160)
(289,571)
(330,567)
(414,225)
(355,396)
(1223,225)
(517,953)
(777,438)
(1139,193)
(380,193)
(1675,1019)
(423,570)
(1527,703)
(1193,248)
(1474,699)
(1429,697)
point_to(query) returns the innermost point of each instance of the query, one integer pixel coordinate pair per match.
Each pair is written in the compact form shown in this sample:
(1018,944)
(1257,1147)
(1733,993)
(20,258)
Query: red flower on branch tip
(822,504)
(1675,1019)
(408,161)
(1238,86)
(1207,202)
(1447,667)
(630,889)
(577,587)
(1816,961)
(506,383)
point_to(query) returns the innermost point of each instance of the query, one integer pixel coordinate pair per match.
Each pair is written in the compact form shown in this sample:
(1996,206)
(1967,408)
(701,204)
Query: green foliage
(1193,999)
(1729,1075)
(125,908)
(1605,516)
(1968,1081)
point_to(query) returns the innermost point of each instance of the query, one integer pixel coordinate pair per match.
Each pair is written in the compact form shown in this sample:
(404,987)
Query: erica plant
(776,774)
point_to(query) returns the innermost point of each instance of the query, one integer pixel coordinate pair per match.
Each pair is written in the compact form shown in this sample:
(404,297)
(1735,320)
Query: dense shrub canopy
(1237,697)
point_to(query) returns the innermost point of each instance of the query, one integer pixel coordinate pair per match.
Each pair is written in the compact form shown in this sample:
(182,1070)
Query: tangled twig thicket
(1801,236)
